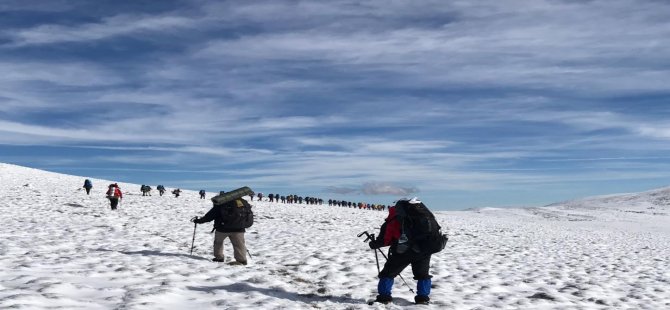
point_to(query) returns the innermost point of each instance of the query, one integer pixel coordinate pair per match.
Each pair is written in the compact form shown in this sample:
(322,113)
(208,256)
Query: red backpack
(113,191)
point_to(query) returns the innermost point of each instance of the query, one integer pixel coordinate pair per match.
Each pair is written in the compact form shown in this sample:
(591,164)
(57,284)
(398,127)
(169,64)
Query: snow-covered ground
(60,248)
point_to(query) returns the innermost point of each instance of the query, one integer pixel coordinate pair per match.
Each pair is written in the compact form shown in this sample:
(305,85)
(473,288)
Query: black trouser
(114,201)
(88,190)
(397,262)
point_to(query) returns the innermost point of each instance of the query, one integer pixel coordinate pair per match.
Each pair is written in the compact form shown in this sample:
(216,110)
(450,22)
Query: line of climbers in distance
(291,199)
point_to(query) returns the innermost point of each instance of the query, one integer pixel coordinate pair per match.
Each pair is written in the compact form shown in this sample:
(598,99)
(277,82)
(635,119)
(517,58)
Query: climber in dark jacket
(223,231)
(400,256)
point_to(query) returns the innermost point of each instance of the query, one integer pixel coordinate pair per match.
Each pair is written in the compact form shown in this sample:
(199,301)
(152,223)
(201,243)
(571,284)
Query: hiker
(202,194)
(87,186)
(227,225)
(397,233)
(114,195)
(260,196)
(271,197)
(176,192)
(146,190)
(161,189)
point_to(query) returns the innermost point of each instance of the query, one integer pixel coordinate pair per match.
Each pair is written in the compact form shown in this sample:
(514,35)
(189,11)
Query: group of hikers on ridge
(114,193)
(410,231)
(288,199)
(295,199)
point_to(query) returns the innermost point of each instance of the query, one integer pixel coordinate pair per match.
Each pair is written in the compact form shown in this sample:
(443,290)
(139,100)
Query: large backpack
(236,214)
(418,224)
(112,192)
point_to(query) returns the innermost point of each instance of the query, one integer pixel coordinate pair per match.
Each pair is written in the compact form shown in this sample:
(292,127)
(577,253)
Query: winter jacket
(215,214)
(87,183)
(389,233)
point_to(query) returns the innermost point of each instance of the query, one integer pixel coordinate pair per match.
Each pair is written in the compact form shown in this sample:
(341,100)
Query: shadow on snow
(276,292)
(154,253)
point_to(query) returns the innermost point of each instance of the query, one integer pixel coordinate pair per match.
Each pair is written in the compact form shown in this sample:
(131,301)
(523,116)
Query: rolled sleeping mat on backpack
(232,195)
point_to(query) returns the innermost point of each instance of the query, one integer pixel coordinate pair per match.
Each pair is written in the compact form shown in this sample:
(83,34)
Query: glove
(195,219)
(374,244)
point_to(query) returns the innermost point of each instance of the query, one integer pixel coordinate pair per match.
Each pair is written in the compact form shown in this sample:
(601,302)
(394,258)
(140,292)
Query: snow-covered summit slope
(654,201)
(651,208)
(60,248)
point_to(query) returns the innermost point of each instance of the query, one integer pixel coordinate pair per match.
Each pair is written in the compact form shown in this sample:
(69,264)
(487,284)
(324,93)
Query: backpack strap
(401,214)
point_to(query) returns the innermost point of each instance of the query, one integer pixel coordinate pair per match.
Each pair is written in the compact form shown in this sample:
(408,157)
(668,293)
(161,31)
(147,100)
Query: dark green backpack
(236,214)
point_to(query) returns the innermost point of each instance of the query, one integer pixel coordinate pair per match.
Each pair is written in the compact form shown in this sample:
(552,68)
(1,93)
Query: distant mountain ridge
(652,199)
(650,207)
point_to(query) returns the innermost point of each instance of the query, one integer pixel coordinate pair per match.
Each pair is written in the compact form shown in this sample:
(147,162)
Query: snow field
(63,249)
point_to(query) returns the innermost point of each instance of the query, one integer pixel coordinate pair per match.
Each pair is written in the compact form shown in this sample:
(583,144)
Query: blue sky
(461,103)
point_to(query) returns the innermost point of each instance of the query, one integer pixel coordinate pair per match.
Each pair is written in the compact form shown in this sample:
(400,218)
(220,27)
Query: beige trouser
(237,239)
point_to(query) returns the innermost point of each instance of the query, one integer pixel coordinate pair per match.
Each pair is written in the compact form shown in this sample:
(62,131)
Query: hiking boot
(216,259)
(421,300)
(384,299)
(237,263)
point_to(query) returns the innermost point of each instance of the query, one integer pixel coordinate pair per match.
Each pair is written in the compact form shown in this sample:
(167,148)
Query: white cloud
(387,189)
(78,74)
(545,45)
(106,28)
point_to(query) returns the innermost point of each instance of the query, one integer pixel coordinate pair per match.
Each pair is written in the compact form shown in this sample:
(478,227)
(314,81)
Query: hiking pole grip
(367,236)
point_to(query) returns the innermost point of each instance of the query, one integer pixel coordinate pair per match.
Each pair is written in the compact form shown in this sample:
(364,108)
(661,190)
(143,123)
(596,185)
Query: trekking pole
(371,237)
(249,254)
(195,225)
(376,257)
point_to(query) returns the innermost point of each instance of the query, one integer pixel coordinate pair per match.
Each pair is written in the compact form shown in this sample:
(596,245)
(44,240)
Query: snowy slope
(650,202)
(60,248)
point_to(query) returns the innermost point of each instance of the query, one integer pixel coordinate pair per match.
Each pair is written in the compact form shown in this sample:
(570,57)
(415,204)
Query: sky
(461,103)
